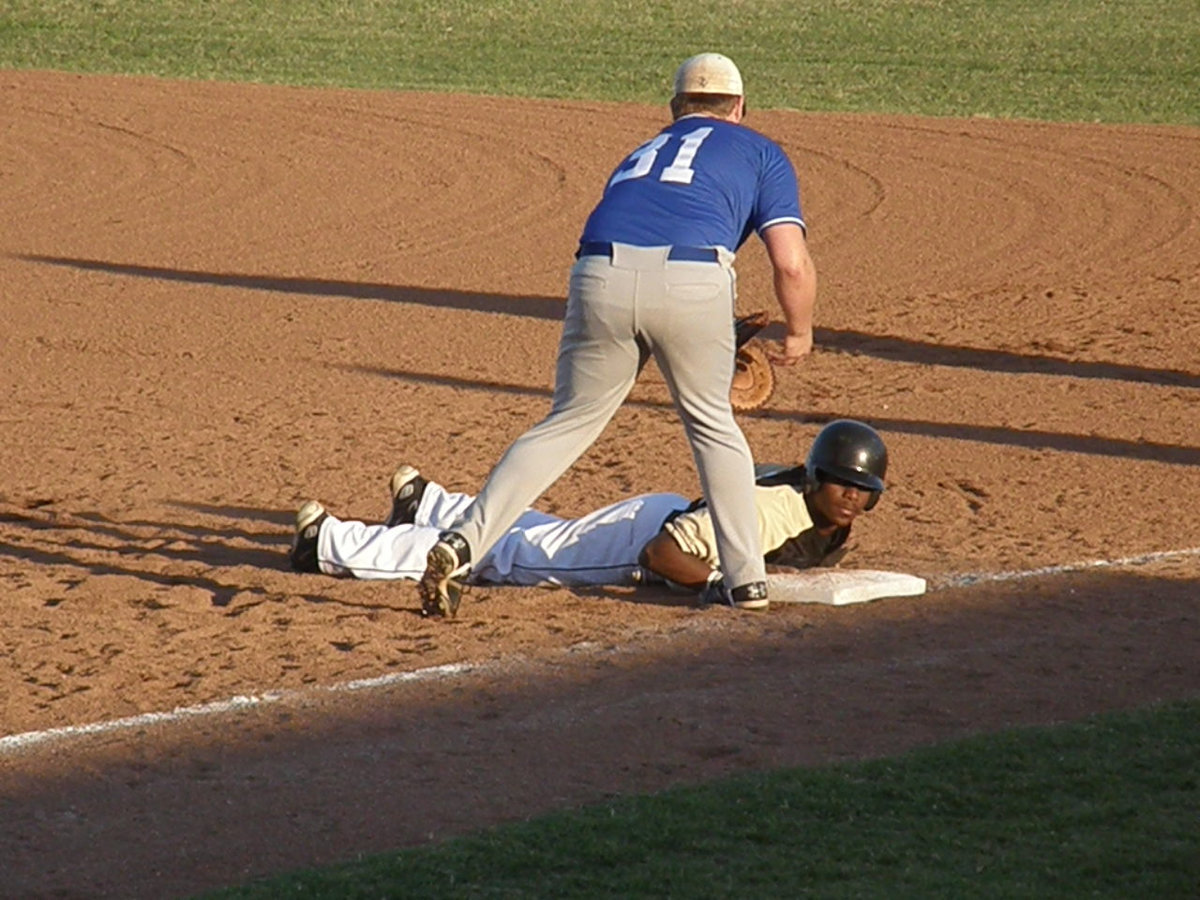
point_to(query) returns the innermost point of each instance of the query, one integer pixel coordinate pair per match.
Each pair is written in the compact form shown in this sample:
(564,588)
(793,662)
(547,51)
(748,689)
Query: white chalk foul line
(989,577)
(15,742)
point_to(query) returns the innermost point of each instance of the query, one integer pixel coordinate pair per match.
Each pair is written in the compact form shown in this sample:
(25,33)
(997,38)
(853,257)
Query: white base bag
(840,587)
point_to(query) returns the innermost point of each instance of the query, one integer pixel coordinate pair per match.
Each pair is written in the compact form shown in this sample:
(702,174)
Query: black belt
(680,254)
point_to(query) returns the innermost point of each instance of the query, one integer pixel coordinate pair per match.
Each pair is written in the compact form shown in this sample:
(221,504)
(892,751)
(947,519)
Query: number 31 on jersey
(641,161)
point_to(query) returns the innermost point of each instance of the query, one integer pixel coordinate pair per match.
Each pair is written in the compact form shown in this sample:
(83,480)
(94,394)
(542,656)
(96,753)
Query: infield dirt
(222,300)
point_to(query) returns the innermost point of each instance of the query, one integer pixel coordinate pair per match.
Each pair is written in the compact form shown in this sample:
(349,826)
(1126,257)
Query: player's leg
(431,505)
(695,353)
(373,552)
(598,548)
(440,508)
(598,359)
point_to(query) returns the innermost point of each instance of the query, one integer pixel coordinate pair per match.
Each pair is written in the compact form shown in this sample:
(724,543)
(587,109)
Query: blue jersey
(700,182)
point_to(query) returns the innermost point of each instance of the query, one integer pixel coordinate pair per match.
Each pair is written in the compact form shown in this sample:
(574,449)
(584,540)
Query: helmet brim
(865,480)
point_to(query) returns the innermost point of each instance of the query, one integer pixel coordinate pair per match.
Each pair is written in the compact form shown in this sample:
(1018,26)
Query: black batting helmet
(849,451)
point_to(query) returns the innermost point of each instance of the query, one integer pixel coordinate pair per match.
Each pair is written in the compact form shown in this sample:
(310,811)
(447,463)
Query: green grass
(1134,61)
(1102,808)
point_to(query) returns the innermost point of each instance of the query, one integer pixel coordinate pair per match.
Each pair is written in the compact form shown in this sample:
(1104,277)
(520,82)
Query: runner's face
(840,503)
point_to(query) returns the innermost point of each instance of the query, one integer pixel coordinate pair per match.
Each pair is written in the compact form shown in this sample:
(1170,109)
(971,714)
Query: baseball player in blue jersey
(654,276)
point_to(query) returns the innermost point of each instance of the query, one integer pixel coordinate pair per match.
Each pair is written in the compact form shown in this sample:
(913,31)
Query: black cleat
(750,596)
(407,487)
(446,565)
(304,543)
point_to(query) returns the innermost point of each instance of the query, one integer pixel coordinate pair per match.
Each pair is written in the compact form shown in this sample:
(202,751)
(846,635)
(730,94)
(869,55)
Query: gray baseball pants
(618,310)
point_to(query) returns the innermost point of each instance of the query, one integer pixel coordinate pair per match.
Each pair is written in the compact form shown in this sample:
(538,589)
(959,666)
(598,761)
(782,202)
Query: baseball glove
(753,375)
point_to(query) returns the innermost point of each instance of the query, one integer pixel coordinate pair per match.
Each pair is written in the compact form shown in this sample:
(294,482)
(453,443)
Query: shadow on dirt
(843,341)
(1171,454)
(198,803)
(95,544)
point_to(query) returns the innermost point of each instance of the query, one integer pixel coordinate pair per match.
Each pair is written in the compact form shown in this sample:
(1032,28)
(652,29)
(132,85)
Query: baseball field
(254,253)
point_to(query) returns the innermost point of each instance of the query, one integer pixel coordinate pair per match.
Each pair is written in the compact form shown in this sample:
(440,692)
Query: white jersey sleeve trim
(782,220)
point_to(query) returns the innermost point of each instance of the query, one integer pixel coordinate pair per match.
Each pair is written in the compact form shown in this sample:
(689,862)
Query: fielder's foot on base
(441,586)
(304,542)
(750,596)
(407,487)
